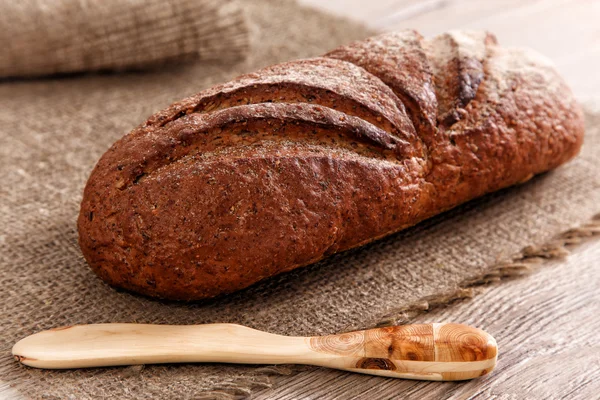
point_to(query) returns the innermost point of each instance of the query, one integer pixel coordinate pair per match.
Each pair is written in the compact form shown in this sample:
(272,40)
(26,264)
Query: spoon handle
(428,351)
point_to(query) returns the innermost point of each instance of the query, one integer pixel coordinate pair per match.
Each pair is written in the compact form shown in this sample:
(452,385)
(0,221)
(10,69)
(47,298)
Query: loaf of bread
(282,167)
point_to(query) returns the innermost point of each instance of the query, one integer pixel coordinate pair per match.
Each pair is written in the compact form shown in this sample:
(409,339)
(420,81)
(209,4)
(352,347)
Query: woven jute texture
(53,131)
(41,37)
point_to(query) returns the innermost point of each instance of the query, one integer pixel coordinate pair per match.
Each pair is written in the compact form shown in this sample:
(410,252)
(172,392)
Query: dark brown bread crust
(283,167)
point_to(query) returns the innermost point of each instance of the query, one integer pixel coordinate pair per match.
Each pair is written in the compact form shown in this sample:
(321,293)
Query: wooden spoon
(428,351)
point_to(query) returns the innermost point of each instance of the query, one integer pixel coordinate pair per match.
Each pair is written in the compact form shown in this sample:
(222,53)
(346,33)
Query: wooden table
(546,324)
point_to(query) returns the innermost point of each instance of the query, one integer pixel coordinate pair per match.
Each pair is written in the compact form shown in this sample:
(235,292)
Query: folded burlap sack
(61,36)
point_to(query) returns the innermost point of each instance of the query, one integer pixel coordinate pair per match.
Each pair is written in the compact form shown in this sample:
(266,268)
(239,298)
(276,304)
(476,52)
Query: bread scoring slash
(280,168)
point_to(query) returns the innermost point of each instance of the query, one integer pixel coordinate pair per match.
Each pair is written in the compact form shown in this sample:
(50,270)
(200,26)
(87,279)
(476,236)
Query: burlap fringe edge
(522,264)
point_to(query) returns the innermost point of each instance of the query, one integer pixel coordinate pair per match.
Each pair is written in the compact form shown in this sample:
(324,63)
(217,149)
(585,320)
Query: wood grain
(546,326)
(420,351)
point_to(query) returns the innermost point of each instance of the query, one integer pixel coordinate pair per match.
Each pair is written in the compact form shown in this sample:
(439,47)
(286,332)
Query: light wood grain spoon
(428,351)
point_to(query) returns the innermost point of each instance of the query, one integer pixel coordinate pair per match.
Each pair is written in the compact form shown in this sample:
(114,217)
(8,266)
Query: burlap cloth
(52,133)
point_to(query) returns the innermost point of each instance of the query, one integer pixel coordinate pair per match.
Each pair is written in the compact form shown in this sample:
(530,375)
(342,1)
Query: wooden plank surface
(546,326)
